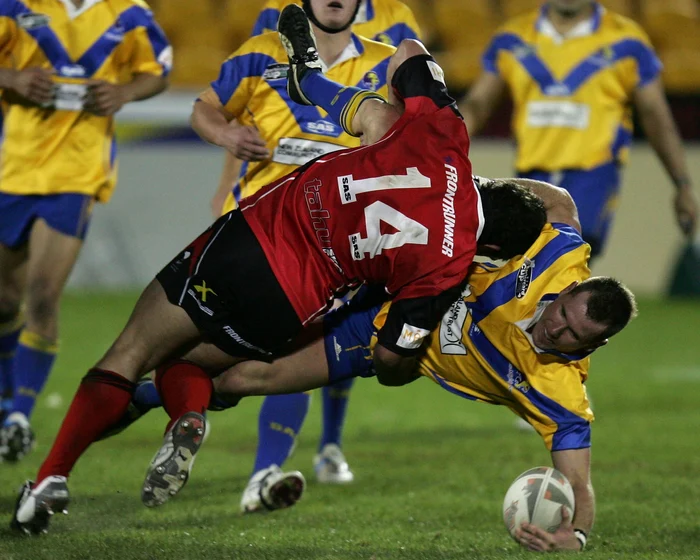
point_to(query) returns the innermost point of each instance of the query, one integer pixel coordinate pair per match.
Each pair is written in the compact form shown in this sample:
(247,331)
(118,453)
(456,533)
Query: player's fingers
(565,516)
(252,136)
(256,151)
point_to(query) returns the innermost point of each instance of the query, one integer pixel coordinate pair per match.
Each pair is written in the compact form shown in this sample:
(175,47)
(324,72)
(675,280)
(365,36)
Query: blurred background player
(68,67)
(573,69)
(248,112)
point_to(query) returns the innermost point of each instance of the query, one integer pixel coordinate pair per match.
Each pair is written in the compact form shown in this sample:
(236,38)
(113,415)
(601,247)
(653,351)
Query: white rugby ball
(537,497)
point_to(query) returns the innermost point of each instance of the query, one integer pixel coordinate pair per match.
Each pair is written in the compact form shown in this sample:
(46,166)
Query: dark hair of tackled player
(514,219)
(610,303)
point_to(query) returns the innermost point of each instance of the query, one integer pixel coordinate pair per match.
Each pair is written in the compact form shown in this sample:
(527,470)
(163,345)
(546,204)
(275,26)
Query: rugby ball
(537,497)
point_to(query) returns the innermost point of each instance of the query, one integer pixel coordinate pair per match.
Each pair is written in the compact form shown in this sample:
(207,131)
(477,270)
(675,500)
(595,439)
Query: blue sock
(280,420)
(146,395)
(9,336)
(31,367)
(335,405)
(339,101)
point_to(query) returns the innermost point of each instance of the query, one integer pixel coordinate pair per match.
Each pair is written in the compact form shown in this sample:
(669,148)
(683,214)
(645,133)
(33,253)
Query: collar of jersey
(583,29)
(353,50)
(526,324)
(74,12)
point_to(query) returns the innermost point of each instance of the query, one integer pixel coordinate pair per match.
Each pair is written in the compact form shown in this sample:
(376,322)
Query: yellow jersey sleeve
(8,35)
(240,75)
(145,45)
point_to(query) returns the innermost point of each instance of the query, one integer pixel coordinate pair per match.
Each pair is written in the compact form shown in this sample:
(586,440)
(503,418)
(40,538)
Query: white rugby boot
(170,468)
(272,488)
(331,467)
(16,438)
(35,506)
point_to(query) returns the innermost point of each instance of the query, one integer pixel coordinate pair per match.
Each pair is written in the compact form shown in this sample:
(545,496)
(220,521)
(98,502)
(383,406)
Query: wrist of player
(581,538)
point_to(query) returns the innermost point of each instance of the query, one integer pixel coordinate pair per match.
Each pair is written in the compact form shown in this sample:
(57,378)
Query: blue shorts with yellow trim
(348,332)
(67,213)
(595,193)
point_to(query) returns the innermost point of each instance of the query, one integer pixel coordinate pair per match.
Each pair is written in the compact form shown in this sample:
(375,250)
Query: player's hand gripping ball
(537,496)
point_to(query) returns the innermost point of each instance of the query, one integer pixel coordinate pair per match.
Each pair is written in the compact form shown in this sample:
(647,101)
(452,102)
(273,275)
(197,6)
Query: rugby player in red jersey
(401,211)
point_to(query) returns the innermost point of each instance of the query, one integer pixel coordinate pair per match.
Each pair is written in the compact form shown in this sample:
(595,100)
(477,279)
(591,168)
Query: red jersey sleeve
(420,83)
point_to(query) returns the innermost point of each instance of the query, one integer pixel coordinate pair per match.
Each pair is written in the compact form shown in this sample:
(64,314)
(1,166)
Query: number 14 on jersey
(408,230)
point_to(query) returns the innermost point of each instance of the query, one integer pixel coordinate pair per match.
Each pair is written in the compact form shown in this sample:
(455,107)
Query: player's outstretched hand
(34,84)
(539,540)
(686,206)
(245,143)
(104,98)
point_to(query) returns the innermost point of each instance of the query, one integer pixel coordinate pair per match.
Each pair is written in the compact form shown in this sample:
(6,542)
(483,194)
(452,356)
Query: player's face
(334,13)
(565,327)
(570,8)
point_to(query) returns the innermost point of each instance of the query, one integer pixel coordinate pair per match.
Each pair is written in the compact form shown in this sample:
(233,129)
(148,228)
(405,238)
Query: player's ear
(569,287)
(488,250)
(597,345)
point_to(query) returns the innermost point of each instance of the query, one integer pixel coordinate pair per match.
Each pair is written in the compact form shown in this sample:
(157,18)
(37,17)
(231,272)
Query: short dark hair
(611,303)
(514,218)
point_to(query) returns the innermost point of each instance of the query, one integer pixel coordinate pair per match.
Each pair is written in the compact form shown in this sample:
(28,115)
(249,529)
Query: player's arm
(558,203)
(33,84)
(105,98)
(407,326)
(149,61)
(571,534)
(229,174)
(413,74)
(660,129)
(215,125)
(481,101)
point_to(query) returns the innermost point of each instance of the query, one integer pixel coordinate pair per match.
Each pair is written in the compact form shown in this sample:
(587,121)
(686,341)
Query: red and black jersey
(403,212)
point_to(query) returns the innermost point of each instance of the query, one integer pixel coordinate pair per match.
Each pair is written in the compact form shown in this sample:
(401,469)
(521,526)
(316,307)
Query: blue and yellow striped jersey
(481,351)
(386,21)
(571,95)
(252,88)
(64,149)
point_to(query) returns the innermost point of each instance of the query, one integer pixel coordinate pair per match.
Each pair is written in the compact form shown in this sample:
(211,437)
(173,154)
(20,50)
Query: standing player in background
(247,111)
(573,69)
(68,67)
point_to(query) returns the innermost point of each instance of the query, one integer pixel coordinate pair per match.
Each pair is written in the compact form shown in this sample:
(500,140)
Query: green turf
(431,469)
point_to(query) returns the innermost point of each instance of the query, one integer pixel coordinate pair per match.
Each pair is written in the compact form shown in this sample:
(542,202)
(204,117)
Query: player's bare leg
(13,267)
(50,259)
(155,332)
(303,370)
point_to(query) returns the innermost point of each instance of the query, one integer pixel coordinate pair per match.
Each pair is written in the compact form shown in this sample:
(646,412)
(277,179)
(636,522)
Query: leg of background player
(330,464)
(12,276)
(52,255)
(279,422)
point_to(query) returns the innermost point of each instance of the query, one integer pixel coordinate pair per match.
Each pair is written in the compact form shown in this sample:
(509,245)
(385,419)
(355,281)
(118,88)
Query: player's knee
(9,307)
(42,301)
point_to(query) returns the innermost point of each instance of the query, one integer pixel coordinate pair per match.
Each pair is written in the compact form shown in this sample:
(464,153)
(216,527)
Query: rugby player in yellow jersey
(248,112)
(520,336)
(66,67)
(574,70)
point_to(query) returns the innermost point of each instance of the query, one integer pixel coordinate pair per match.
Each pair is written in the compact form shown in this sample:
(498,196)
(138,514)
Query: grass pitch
(431,468)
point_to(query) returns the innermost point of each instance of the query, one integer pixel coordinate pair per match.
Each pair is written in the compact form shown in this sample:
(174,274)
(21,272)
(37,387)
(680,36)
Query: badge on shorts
(32,21)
